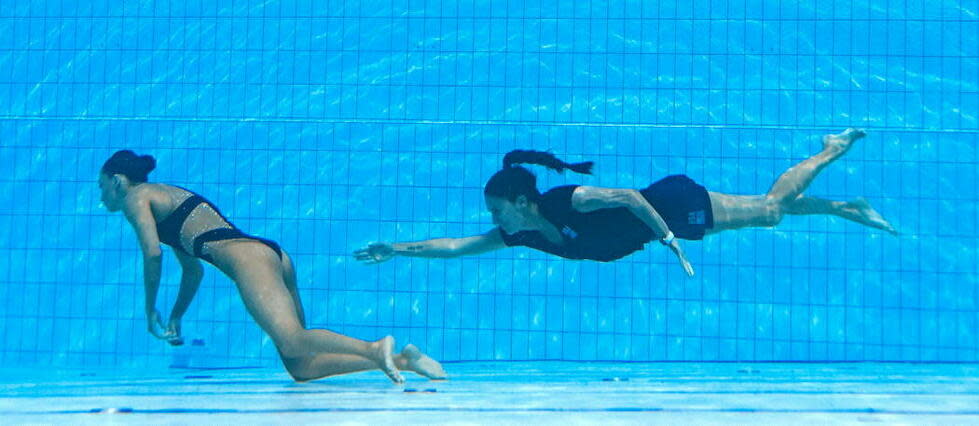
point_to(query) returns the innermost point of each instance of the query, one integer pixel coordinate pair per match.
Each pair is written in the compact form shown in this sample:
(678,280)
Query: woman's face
(112,194)
(510,216)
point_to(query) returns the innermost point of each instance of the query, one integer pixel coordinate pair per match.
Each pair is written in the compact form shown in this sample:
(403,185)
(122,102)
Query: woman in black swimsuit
(605,224)
(263,272)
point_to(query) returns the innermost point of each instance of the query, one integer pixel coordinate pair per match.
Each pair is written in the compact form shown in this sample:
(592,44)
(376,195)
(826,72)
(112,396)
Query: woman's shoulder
(154,190)
(563,190)
(160,196)
(559,194)
(557,201)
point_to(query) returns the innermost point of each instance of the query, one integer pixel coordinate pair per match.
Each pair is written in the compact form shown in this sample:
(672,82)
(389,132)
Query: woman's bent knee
(296,367)
(773,213)
(292,344)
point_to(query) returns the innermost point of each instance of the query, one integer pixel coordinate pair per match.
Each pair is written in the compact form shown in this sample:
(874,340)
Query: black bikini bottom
(221,234)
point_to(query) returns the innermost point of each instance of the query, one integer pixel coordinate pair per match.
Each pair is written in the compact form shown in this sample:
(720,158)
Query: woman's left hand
(375,253)
(172,335)
(675,246)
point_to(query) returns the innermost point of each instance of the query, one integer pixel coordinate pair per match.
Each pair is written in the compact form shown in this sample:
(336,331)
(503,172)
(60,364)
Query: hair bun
(149,163)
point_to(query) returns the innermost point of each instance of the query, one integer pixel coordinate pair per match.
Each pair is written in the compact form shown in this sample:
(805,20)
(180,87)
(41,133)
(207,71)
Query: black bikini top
(168,229)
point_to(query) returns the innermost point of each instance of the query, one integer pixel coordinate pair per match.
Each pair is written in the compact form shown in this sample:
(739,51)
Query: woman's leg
(796,179)
(325,365)
(258,273)
(738,211)
(858,210)
(289,278)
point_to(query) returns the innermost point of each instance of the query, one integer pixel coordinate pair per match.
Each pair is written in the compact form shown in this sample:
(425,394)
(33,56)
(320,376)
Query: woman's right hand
(154,322)
(675,246)
(375,253)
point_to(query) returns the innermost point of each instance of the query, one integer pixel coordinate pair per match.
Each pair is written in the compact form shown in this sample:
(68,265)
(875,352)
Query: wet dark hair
(125,162)
(513,181)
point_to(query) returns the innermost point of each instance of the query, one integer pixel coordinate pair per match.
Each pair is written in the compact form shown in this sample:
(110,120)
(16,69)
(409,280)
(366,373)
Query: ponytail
(513,180)
(545,159)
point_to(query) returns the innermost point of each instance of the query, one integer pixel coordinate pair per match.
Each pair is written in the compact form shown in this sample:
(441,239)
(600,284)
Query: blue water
(328,125)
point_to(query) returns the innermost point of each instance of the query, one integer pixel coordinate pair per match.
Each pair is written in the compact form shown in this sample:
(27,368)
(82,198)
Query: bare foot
(422,364)
(843,141)
(385,361)
(868,216)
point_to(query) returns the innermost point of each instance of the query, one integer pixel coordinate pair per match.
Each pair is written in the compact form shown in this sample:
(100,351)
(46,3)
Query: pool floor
(507,393)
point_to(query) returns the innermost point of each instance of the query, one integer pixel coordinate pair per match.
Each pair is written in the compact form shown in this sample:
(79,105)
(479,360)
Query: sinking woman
(262,271)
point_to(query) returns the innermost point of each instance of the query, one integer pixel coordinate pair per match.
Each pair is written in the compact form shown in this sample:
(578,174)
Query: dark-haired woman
(605,224)
(262,271)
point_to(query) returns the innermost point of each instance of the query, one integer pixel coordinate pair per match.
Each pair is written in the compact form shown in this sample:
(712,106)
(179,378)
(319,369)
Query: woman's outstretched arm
(434,248)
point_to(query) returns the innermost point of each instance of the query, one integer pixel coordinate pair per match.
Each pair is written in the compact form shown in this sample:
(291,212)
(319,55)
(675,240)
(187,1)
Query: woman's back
(185,215)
